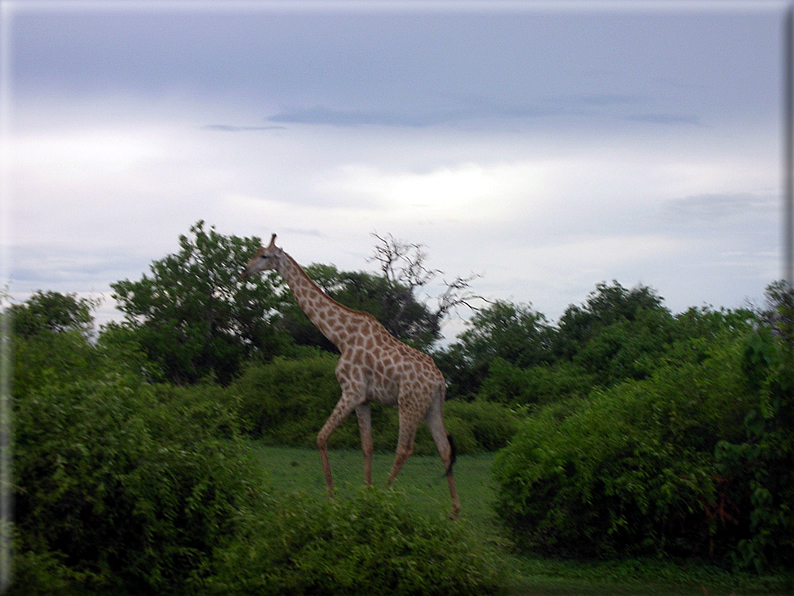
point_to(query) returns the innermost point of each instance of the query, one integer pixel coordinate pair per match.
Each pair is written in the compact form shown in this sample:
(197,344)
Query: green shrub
(116,481)
(757,471)
(45,358)
(367,544)
(629,470)
(287,402)
(123,485)
(44,573)
(491,425)
(209,409)
(542,384)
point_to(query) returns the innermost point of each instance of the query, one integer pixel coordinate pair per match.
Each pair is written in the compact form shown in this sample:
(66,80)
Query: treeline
(622,428)
(194,317)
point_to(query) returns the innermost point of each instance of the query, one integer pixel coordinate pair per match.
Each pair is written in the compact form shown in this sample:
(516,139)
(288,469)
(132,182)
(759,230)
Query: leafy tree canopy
(503,331)
(52,312)
(513,332)
(779,309)
(608,304)
(193,315)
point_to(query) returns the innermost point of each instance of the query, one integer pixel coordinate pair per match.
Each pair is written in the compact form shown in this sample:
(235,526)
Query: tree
(759,470)
(606,306)
(193,315)
(514,332)
(52,312)
(403,267)
(778,313)
(616,334)
(504,331)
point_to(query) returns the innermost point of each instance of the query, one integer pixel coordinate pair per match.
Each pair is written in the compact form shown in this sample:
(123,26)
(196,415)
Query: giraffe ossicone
(374,367)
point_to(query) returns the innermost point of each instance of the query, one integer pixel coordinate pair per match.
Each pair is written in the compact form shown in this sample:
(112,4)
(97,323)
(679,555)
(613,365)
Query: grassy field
(425,491)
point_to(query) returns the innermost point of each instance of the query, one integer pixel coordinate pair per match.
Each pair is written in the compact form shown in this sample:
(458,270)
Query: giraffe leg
(405,444)
(342,409)
(435,422)
(399,461)
(364,414)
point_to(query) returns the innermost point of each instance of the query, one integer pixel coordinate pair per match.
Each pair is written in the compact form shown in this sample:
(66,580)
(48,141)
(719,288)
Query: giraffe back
(388,369)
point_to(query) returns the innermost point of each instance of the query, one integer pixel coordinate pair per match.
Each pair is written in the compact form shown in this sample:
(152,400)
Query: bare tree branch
(404,264)
(458,293)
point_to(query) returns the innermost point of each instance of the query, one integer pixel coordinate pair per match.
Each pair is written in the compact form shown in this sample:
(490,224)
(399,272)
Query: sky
(546,147)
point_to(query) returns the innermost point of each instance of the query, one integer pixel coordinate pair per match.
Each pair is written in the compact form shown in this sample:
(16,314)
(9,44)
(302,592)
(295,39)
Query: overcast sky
(546,146)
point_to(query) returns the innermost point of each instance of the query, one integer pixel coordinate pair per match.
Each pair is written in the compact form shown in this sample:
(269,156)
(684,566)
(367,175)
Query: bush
(121,482)
(758,469)
(287,402)
(491,425)
(367,544)
(42,359)
(629,470)
(538,385)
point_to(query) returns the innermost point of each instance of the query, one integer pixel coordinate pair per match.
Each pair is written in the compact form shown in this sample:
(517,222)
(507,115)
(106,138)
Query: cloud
(82,262)
(466,109)
(62,268)
(667,119)
(598,257)
(304,232)
(719,207)
(231,128)
(461,194)
(74,153)
(327,116)
(570,266)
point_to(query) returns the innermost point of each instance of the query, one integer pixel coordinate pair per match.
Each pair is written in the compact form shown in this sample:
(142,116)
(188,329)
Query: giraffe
(374,367)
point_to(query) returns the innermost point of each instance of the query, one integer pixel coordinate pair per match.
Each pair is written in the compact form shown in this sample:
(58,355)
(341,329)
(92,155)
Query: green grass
(422,478)
(424,488)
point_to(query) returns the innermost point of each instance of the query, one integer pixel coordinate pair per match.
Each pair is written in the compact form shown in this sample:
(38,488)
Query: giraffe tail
(452,456)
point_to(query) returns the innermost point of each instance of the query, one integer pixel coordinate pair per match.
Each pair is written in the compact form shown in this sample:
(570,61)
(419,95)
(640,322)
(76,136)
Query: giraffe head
(264,259)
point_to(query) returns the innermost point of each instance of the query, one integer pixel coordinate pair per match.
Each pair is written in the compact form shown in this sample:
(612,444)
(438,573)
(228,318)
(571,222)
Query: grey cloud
(716,207)
(606,99)
(375,57)
(231,128)
(302,232)
(596,105)
(52,266)
(468,109)
(669,119)
(347,118)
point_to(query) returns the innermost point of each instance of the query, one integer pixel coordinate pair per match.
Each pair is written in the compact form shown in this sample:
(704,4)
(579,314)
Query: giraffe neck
(324,312)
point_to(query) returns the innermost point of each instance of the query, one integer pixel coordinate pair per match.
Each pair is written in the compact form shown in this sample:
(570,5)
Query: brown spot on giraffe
(374,367)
